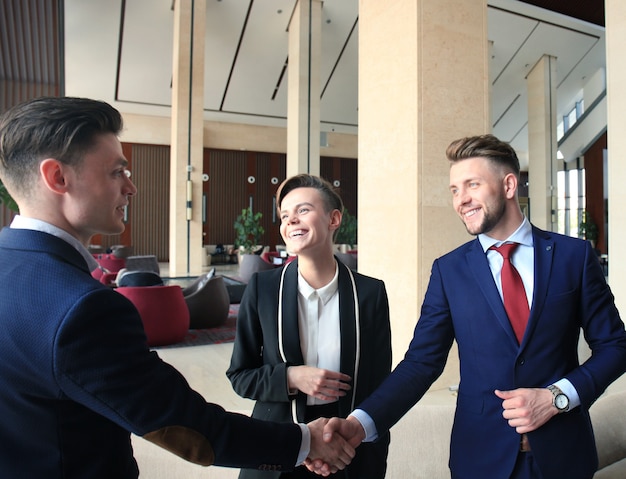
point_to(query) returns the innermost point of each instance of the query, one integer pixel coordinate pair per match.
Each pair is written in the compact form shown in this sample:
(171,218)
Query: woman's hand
(319,383)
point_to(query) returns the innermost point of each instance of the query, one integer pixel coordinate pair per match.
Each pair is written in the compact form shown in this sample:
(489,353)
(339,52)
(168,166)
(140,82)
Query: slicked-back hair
(331,199)
(484,146)
(63,128)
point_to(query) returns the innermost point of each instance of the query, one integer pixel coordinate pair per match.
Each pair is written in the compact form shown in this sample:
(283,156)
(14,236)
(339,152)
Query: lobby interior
(425,76)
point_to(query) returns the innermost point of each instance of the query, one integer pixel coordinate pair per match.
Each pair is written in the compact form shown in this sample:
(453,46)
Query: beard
(492,215)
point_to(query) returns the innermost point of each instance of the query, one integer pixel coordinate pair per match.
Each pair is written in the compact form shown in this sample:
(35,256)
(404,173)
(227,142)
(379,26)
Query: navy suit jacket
(77,376)
(258,370)
(462,303)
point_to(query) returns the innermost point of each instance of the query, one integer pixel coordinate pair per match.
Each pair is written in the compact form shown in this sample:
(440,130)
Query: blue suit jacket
(76,377)
(462,303)
(258,371)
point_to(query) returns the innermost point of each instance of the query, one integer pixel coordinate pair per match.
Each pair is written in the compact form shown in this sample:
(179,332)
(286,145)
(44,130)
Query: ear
(53,175)
(510,185)
(335,220)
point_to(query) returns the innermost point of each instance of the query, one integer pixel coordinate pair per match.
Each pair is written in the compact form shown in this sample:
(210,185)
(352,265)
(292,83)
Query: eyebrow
(299,205)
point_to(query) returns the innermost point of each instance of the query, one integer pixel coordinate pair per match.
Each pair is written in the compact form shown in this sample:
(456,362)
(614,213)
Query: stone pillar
(304,89)
(615,11)
(186,142)
(542,144)
(423,82)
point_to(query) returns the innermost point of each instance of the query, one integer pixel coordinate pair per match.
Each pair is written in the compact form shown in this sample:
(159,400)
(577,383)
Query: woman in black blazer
(313,337)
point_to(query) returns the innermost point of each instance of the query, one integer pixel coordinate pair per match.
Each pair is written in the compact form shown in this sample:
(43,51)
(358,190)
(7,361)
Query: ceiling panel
(145,71)
(262,55)
(225,23)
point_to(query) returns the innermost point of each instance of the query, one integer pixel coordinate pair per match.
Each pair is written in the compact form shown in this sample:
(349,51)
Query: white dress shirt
(318,323)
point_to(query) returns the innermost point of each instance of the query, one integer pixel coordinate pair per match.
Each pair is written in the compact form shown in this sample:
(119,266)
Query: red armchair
(163,311)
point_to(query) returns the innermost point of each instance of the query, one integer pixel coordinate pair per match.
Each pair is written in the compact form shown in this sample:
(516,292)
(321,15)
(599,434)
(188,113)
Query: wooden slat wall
(226,193)
(149,212)
(30,50)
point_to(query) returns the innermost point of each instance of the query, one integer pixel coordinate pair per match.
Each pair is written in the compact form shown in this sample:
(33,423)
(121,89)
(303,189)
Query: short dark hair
(484,146)
(330,197)
(63,128)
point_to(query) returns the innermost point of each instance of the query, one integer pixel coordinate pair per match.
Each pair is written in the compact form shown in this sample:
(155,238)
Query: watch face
(561,401)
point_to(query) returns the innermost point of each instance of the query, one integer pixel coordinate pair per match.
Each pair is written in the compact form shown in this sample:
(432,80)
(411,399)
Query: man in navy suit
(76,374)
(523,404)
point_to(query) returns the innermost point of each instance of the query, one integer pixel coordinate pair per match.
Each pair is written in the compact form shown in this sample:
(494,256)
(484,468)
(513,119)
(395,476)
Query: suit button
(521,361)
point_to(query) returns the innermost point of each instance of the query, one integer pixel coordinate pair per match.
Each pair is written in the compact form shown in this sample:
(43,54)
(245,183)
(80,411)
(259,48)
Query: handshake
(333,444)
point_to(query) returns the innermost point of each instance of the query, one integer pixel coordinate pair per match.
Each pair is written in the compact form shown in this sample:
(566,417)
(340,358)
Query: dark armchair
(208,301)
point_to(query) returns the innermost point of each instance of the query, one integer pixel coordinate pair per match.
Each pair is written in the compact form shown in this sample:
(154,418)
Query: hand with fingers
(330,453)
(318,383)
(527,409)
(349,429)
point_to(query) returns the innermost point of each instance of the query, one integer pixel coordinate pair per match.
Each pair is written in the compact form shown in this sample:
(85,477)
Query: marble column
(186,138)
(615,11)
(542,143)
(423,82)
(304,88)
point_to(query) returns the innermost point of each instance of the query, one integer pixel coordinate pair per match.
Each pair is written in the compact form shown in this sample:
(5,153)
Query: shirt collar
(522,235)
(25,223)
(325,292)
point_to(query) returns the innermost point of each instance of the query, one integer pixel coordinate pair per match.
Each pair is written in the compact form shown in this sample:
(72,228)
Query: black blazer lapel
(289,307)
(347,326)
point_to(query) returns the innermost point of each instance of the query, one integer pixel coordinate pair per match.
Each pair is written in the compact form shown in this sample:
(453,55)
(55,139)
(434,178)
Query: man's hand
(349,429)
(527,409)
(318,383)
(328,454)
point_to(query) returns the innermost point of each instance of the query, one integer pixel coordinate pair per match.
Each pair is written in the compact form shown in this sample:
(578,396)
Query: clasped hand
(342,436)
(318,383)
(527,409)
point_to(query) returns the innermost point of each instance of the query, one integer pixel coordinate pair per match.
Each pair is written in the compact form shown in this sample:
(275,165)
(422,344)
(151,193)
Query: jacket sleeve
(256,369)
(102,362)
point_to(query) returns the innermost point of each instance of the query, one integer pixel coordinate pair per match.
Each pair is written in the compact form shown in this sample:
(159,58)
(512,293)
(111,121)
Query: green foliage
(248,230)
(6,198)
(587,228)
(348,230)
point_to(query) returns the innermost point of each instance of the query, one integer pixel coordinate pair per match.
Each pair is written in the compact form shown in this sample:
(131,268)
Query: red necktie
(515,301)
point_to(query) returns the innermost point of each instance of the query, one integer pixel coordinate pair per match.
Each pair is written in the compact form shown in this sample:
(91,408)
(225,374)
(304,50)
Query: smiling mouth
(470,213)
(297,233)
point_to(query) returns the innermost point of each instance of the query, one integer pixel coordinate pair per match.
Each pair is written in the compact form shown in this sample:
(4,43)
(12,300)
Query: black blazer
(258,368)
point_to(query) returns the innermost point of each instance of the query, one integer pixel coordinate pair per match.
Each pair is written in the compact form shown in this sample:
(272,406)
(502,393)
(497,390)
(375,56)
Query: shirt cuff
(305,445)
(371,434)
(570,391)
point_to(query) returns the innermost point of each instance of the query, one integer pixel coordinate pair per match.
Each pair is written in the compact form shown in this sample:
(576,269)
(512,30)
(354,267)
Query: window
(570,200)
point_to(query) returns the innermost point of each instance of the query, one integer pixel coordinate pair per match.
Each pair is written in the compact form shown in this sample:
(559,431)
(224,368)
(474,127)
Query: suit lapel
(289,305)
(347,326)
(479,266)
(544,251)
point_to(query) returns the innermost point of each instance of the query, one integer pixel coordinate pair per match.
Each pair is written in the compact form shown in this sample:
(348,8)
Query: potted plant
(248,230)
(347,230)
(6,198)
(587,229)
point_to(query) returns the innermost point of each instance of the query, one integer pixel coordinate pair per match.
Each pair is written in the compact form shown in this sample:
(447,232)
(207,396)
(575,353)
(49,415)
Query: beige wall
(156,130)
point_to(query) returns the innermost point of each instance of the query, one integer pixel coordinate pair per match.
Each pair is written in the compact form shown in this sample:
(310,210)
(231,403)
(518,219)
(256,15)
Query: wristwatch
(559,399)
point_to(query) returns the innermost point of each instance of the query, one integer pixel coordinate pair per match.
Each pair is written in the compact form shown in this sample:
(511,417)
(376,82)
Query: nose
(131,189)
(461,198)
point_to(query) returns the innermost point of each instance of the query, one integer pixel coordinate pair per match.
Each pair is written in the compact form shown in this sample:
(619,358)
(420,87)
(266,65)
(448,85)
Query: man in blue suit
(76,374)
(523,404)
